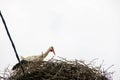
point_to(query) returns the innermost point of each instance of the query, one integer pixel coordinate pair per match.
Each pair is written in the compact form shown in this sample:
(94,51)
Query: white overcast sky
(78,29)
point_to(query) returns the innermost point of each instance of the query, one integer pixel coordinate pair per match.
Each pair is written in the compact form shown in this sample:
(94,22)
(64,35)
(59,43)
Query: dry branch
(61,69)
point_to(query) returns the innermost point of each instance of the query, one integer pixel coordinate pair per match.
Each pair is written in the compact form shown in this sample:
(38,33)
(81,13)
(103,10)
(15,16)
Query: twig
(57,72)
(2,78)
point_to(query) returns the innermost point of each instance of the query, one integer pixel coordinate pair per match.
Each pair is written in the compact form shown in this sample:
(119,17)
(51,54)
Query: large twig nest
(58,70)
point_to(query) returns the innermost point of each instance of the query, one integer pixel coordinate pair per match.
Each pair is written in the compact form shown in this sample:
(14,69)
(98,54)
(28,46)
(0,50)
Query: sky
(77,29)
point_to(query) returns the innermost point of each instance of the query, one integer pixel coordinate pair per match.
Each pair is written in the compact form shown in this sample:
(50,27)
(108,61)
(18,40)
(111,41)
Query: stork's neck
(43,55)
(46,53)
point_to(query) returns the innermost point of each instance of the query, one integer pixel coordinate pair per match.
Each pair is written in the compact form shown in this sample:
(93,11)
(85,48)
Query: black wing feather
(18,64)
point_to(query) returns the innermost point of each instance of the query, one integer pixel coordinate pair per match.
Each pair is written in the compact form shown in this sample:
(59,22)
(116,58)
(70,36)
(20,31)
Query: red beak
(53,51)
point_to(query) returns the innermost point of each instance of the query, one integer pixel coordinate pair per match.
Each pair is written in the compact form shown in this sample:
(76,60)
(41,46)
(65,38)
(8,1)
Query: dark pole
(11,42)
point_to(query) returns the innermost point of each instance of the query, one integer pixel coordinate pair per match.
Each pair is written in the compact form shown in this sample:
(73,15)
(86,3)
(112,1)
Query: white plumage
(40,57)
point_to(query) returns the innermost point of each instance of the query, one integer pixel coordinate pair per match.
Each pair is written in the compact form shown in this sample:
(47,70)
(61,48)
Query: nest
(58,70)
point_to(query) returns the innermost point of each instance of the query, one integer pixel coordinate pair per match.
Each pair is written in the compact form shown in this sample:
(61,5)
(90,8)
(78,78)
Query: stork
(34,58)
(39,57)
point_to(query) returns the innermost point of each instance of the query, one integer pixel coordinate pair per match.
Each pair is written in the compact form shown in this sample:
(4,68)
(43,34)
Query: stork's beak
(53,51)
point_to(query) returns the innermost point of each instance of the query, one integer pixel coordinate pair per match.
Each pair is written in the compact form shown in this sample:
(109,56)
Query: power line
(13,45)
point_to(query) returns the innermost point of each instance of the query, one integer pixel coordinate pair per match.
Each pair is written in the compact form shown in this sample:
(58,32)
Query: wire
(12,43)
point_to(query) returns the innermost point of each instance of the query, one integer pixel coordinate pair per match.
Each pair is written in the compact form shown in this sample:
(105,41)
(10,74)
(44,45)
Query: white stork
(39,57)
(34,58)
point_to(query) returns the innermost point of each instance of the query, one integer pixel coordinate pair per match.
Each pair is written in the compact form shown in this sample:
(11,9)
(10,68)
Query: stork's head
(51,49)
